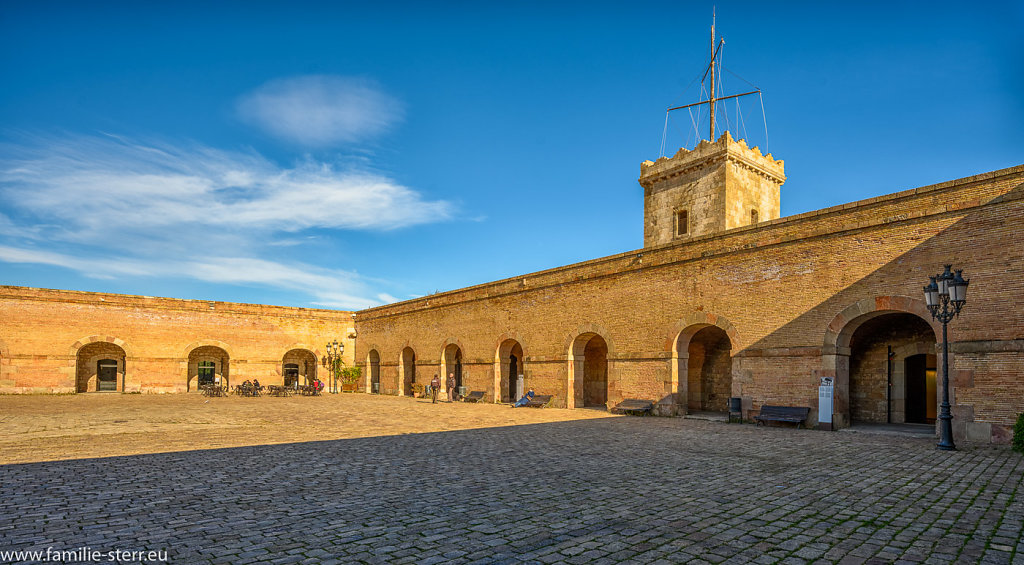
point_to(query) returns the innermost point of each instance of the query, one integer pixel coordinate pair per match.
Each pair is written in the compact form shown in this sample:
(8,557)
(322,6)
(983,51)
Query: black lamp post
(334,351)
(945,295)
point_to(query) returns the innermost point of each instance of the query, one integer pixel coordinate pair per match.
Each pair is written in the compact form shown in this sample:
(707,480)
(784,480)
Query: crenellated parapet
(708,153)
(711,188)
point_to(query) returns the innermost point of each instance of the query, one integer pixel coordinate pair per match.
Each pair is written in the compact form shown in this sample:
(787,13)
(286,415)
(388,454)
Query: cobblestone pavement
(649,490)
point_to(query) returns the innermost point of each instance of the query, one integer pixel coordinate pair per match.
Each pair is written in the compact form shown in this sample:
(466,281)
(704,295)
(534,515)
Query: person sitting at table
(524,400)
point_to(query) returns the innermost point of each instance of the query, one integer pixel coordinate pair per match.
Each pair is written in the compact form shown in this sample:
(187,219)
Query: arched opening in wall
(510,367)
(408,370)
(100,367)
(708,369)
(589,369)
(373,367)
(298,367)
(207,365)
(892,370)
(452,358)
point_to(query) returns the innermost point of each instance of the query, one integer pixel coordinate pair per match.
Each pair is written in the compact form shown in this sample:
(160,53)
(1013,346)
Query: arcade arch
(373,368)
(407,368)
(298,367)
(588,370)
(100,367)
(451,362)
(508,367)
(207,365)
(875,343)
(892,370)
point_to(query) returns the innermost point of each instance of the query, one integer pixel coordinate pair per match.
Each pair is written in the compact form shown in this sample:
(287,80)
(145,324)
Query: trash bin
(735,407)
(376,388)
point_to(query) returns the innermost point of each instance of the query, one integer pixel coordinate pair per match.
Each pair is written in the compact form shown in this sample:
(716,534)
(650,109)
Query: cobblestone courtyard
(604,490)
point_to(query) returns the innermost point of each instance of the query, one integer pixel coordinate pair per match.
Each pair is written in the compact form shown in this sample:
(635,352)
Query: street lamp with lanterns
(333,362)
(945,295)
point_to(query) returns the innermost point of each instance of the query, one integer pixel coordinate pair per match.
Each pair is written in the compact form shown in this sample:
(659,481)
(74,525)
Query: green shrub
(350,374)
(1018,434)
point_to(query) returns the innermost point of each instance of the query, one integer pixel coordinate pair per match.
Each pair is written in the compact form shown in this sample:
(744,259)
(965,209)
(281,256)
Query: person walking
(435,384)
(451,387)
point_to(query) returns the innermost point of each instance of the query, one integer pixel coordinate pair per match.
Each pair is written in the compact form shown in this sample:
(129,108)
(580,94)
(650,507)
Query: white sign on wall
(825,400)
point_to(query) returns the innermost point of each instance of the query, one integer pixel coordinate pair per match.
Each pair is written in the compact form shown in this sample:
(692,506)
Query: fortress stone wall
(793,297)
(52,340)
(739,304)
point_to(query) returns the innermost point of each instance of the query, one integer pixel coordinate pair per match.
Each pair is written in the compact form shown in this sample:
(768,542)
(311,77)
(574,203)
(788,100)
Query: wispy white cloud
(320,110)
(149,209)
(330,287)
(120,182)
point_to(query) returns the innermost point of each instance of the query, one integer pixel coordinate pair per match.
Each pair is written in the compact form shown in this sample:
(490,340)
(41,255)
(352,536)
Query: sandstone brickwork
(719,186)
(789,293)
(53,340)
(761,311)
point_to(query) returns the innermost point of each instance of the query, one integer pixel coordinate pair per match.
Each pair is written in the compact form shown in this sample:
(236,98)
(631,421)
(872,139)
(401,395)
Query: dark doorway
(595,372)
(458,369)
(709,370)
(513,376)
(374,371)
(408,370)
(920,400)
(291,375)
(871,399)
(206,372)
(106,375)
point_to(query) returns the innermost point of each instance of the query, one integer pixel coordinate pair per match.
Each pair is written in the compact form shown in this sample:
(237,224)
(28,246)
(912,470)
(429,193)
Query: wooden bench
(539,401)
(635,406)
(794,414)
(475,396)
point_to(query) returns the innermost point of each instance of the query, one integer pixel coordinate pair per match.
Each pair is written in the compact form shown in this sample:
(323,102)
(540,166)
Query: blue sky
(345,155)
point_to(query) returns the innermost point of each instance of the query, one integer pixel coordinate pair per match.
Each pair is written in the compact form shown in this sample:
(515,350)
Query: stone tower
(715,187)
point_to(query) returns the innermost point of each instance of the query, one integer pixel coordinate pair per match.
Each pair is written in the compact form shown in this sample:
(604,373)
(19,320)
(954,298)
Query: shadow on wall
(986,338)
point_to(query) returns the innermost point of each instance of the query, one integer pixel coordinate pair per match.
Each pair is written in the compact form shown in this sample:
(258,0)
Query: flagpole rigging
(713,97)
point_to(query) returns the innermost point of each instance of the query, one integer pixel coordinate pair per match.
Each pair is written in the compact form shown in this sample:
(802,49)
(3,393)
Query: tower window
(682,223)
(753,217)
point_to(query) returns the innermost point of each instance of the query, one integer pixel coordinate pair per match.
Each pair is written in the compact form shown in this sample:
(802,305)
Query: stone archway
(451,362)
(881,346)
(702,362)
(127,353)
(100,367)
(508,365)
(298,367)
(708,370)
(373,371)
(855,353)
(407,371)
(589,368)
(207,365)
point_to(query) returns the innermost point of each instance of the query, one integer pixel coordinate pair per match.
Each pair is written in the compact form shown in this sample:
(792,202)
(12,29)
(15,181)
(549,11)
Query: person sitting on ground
(524,400)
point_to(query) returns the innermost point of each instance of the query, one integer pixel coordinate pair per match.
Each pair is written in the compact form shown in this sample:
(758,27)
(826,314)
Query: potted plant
(350,378)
